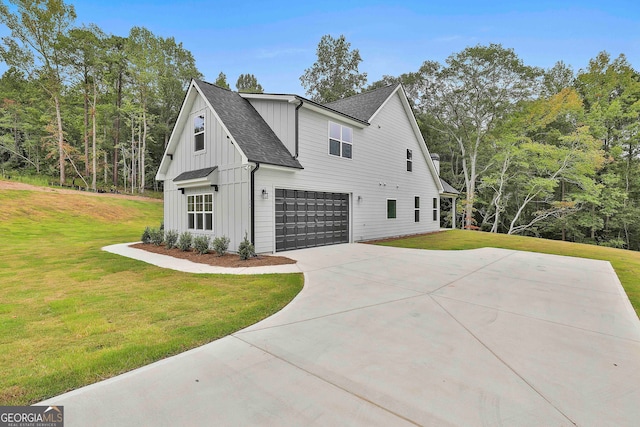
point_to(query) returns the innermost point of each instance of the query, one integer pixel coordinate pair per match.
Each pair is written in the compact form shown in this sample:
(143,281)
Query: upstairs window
(198,132)
(340,140)
(409,160)
(200,212)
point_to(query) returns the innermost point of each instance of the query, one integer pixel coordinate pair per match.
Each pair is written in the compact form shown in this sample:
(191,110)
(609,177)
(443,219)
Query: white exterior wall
(280,116)
(231,202)
(379,156)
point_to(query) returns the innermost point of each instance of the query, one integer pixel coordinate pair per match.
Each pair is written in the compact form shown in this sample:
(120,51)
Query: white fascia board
(198,182)
(416,131)
(270,97)
(224,127)
(334,115)
(173,139)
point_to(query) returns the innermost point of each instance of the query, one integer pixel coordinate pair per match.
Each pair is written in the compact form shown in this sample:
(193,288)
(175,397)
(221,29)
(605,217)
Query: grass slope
(625,263)
(71,314)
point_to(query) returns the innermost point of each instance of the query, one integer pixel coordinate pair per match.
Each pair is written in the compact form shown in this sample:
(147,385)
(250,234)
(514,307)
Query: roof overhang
(198,178)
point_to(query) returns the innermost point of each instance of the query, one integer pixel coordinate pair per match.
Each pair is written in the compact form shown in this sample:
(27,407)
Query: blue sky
(276,40)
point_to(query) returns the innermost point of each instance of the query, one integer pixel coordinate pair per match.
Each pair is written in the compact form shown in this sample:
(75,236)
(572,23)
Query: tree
(469,97)
(248,83)
(335,74)
(34,48)
(221,81)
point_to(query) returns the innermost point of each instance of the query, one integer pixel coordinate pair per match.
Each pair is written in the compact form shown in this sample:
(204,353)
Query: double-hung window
(416,208)
(198,133)
(340,140)
(200,212)
(409,160)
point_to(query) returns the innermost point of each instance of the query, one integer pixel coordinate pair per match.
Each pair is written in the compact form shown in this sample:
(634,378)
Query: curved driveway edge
(389,336)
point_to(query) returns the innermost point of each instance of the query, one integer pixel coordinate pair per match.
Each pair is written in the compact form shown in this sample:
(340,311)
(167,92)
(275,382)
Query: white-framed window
(391,208)
(198,133)
(435,208)
(340,140)
(409,161)
(200,211)
(416,208)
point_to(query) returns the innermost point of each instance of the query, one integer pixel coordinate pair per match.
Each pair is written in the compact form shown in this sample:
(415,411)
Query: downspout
(253,204)
(296,120)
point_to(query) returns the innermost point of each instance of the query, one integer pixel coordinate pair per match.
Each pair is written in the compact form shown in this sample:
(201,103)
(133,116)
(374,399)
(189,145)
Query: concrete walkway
(387,336)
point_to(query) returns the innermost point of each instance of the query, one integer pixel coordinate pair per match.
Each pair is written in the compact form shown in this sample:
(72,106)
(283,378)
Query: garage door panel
(310,218)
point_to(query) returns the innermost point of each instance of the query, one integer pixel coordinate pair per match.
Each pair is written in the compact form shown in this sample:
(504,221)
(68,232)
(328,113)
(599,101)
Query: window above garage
(340,140)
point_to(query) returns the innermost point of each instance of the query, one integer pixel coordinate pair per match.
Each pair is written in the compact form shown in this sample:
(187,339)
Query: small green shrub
(221,245)
(246,249)
(201,244)
(184,241)
(146,236)
(171,239)
(157,236)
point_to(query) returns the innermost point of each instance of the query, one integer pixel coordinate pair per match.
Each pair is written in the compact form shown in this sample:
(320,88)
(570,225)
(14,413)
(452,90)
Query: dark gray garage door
(305,219)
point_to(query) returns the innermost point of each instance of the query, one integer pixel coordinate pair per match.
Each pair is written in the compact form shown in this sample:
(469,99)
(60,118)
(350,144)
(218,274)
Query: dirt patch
(13,185)
(228,260)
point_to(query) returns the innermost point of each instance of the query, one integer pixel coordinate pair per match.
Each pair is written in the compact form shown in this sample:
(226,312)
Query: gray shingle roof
(448,188)
(363,105)
(199,173)
(255,138)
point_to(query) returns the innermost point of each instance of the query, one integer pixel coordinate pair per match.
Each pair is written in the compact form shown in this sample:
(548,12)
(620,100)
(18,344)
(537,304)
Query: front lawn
(625,263)
(71,314)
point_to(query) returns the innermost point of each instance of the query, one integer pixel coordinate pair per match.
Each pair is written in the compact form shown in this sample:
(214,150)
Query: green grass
(625,263)
(71,314)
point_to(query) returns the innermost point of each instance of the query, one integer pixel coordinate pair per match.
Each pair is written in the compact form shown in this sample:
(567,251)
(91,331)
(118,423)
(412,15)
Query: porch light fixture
(265,195)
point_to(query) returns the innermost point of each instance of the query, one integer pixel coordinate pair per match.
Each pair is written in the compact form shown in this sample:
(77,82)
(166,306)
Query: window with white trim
(435,208)
(340,140)
(200,212)
(391,208)
(409,160)
(198,133)
(416,208)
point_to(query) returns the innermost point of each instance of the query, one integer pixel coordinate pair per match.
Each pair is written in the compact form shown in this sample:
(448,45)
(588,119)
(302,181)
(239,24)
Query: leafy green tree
(221,81)
(335,74)
(33,47)
(468,98)
(248,83)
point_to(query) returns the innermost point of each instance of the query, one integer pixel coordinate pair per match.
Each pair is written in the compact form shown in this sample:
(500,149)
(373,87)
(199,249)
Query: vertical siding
(280,116)
(231,201)
(376,173)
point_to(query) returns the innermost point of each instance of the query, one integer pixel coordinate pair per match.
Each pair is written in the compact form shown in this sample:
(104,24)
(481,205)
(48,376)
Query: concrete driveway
(387,336)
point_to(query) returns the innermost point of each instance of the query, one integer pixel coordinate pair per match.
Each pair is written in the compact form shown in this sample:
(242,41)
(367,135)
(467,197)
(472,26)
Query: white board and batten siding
(231,201)
(280,116)
(376,172)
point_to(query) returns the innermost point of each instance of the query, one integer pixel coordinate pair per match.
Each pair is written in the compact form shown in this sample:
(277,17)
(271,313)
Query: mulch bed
(228,260)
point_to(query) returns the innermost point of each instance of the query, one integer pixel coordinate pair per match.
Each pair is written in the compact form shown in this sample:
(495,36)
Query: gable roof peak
(364,105)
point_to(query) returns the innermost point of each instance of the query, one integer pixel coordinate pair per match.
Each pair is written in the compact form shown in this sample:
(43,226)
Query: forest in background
(550,153)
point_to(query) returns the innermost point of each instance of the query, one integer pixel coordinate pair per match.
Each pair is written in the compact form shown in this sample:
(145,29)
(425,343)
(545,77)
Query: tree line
(91,108)
(543,152)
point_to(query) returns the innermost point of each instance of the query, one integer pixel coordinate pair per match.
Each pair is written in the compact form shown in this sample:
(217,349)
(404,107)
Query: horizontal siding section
(376,172)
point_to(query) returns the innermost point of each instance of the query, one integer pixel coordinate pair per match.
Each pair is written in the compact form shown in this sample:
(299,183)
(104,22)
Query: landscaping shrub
(221,245)
(185,240)
(246,249)
(146,236)
(157,236)
(201,244)
(171,239)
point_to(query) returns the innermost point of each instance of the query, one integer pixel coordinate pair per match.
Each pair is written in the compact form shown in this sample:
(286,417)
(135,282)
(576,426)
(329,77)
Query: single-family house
(291,173)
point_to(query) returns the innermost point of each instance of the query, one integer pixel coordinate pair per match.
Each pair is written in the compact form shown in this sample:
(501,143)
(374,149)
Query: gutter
(253,204)
(296,120)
